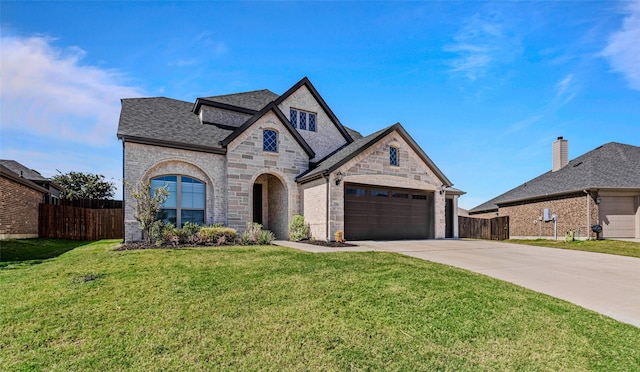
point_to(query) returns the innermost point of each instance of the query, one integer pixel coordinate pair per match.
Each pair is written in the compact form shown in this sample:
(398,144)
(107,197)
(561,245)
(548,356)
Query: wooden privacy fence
(74,223)
(484,228)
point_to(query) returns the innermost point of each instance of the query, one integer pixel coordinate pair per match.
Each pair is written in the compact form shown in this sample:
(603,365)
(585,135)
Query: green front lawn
(249,308)
(33,251)
(619,247)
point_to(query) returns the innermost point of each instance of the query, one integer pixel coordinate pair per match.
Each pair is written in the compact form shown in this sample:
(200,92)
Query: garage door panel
(373,212)
(617,216)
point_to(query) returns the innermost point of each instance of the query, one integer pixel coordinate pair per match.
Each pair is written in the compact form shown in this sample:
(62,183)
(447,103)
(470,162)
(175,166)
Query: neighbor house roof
(348,152)
(610,166)
(22,171)
(10,174)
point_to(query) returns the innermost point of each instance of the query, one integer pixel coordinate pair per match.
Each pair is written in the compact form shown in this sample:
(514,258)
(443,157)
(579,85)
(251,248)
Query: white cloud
(47,91)
(623,49)
(482,43)
(564,91)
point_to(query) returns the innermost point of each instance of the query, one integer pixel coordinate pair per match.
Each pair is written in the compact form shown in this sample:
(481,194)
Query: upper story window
(185,202)
(270,140)
(303,119)
(394,159)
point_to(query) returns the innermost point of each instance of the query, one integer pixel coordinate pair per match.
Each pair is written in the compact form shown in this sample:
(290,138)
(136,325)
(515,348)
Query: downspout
(588,214)
(325,175)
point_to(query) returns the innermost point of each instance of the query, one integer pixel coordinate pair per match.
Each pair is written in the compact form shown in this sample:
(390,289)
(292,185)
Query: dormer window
(304,120)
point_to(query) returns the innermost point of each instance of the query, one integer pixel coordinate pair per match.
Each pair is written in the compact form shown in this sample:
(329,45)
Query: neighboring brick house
(19,200)
(600,187)
(54,190)
(258,156)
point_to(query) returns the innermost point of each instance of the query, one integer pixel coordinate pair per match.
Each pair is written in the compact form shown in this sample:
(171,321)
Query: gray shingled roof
(9,173)
(346,153)
(167,120)
(610,166)
(255,100)
(21,170)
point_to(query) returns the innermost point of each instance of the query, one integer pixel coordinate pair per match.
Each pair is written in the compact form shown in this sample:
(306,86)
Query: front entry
(270,205)
(376,212)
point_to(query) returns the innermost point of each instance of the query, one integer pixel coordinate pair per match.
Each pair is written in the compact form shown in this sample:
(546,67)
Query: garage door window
(418,196)
(400,195)
(381,193)
(356,192)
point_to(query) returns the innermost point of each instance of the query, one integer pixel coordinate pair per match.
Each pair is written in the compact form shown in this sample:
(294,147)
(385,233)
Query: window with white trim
(270,140)
(303,120)
(186,201)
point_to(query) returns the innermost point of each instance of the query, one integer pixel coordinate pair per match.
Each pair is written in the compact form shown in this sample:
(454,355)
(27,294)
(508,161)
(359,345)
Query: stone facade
(246,161)
(18,210)
(372,167)
(327,138)
(230,177)
(144,162)
(576,212)
(314,208)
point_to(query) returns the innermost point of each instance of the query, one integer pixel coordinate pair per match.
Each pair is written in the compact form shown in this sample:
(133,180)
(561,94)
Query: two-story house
(263,157)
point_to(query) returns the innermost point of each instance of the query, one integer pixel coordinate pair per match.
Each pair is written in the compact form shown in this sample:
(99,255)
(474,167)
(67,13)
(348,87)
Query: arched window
(186,199)
(270,140)
(394,156)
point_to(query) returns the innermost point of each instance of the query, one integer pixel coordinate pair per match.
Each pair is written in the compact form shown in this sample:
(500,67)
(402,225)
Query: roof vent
(560,154)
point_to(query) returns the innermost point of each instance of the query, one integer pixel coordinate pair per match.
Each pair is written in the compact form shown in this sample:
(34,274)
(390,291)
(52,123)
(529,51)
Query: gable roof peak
(307,83)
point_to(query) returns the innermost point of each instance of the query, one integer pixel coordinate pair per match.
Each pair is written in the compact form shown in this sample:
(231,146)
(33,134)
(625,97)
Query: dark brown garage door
(372,212)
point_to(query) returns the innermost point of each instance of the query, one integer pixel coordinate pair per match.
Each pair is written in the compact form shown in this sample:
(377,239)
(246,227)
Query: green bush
(265,237)
(298,230)
(254,234)
(216,235)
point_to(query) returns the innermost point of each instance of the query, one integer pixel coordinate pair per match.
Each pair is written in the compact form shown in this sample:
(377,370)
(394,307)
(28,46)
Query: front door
(257,203)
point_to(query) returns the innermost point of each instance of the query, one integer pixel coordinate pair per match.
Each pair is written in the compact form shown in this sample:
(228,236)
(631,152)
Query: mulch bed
(143,245)
(327,244)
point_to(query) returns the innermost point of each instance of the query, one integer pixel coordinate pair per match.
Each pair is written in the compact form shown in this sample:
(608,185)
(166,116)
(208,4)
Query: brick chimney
(560,154)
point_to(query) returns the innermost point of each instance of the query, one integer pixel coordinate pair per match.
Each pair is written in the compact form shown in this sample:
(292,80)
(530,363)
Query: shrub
(254,234)
(245,238)
(297,229)
(191,229)
(265,237)
(216,235)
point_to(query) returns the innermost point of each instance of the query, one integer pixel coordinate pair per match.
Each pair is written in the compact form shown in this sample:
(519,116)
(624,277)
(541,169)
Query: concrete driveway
(604,283)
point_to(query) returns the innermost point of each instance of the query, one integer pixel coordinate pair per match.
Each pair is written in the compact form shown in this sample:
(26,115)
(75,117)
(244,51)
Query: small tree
(148,205)
(79,185)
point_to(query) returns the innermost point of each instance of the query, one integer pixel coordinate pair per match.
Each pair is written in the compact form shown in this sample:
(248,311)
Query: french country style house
(262,157)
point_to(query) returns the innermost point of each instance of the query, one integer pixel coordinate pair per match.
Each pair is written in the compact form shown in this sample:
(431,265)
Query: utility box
(547,215)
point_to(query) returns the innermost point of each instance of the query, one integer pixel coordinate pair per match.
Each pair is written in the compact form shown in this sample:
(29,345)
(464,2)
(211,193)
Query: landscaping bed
(332,244)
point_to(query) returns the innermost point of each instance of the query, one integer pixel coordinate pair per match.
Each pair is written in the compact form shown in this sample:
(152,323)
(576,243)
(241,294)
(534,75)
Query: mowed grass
(255,308)
(33,251)
(619,247)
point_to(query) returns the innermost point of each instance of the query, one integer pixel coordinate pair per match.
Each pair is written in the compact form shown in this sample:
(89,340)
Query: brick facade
(525,219)
(18,210)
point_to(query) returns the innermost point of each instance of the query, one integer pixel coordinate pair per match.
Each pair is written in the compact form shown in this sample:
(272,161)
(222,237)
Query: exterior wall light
(339,177)
(598,200)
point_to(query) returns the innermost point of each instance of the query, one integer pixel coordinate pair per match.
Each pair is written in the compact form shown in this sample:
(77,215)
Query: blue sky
(483,87)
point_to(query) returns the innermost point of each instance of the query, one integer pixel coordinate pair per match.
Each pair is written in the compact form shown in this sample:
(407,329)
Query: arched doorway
(270,205)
